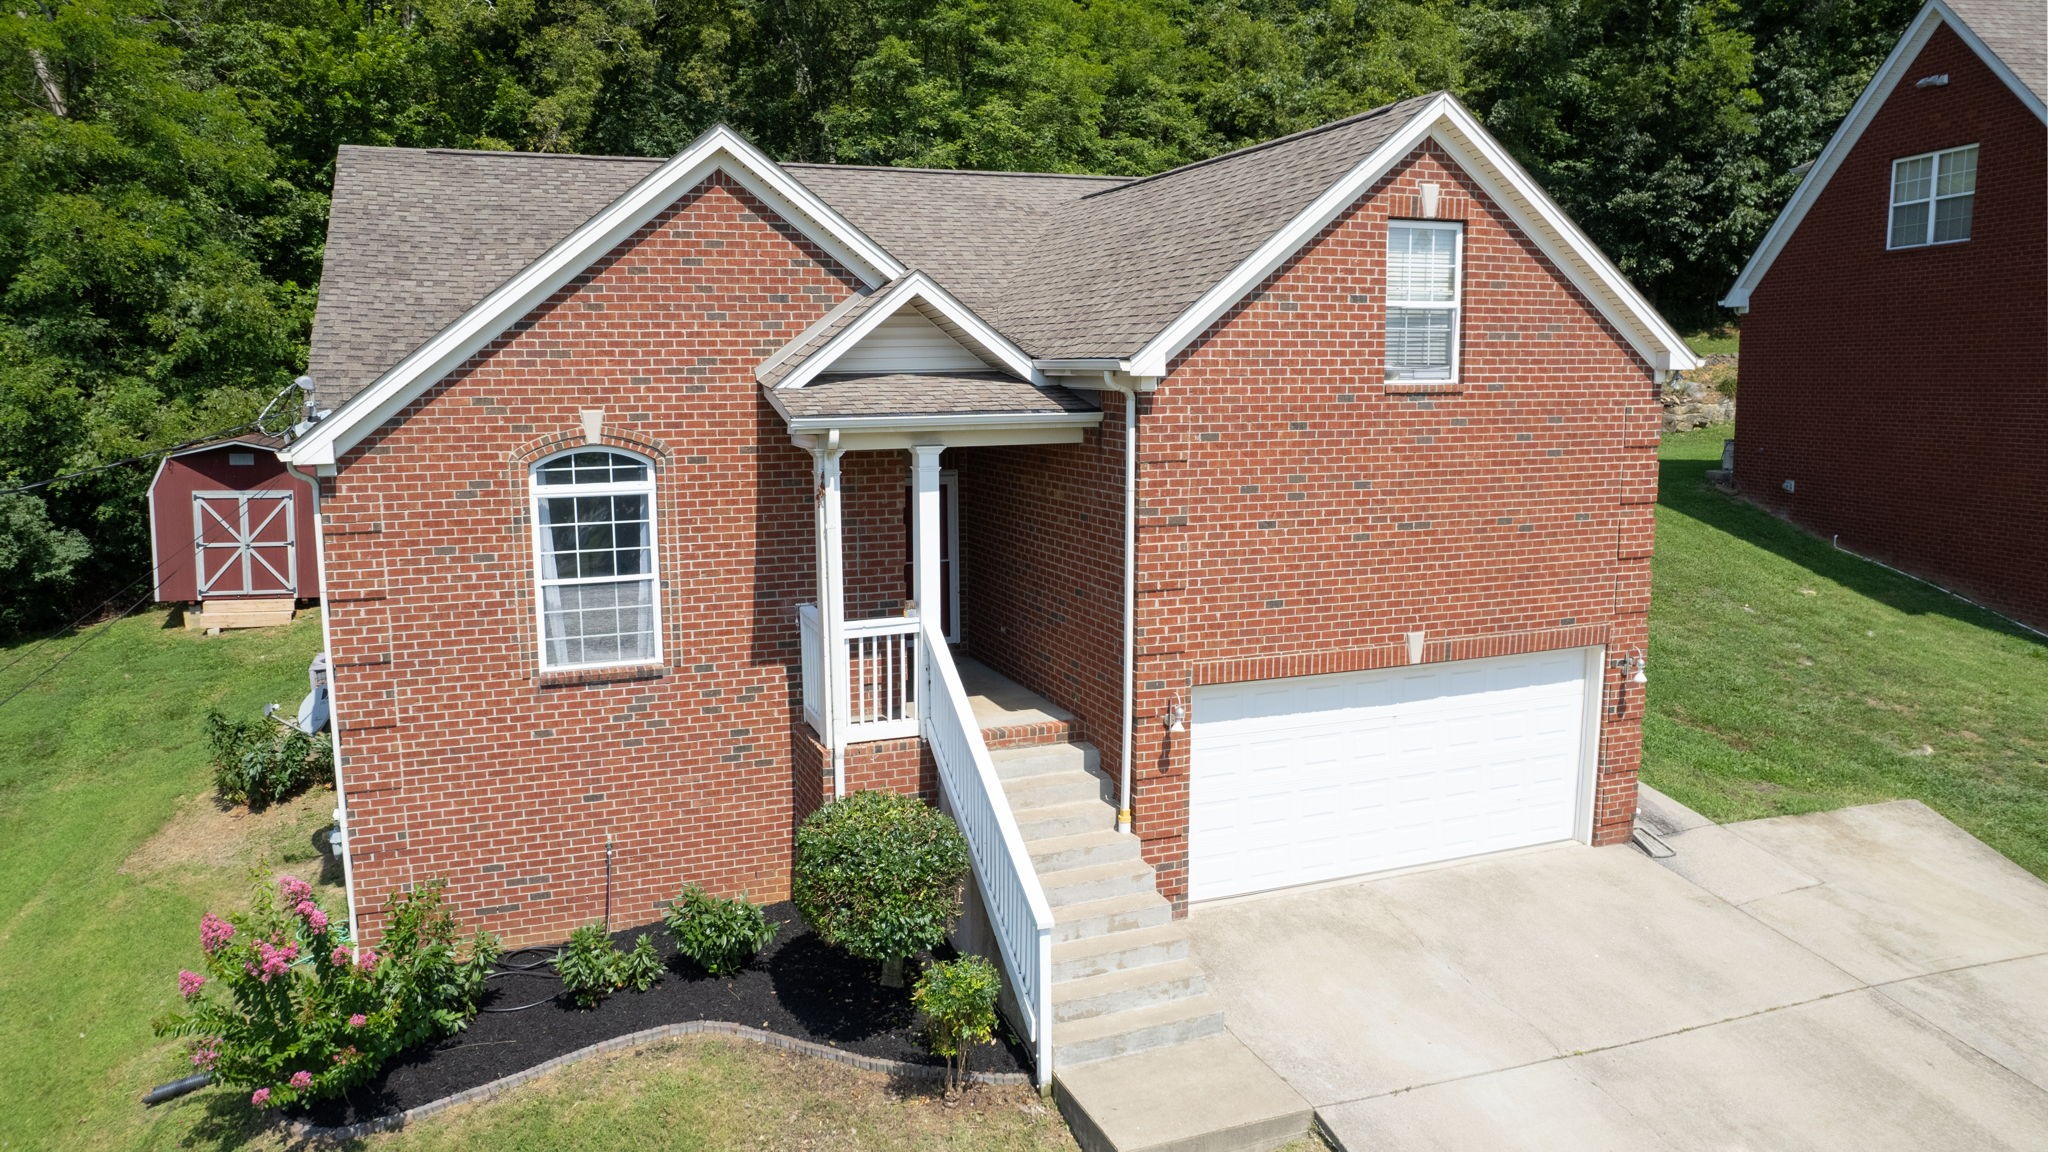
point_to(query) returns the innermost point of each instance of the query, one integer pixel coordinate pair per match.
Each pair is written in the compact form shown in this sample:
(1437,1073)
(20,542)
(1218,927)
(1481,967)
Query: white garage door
(1318,777)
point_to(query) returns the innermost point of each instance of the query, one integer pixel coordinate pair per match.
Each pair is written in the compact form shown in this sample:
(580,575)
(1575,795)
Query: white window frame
(1933,199)
(542,582)
(1456,304)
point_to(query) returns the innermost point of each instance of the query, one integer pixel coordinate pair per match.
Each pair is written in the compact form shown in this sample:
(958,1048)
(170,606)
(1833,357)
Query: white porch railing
(880,670)
(1019,917)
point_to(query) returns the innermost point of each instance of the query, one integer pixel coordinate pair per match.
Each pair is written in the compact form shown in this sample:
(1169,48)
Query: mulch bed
(797,987)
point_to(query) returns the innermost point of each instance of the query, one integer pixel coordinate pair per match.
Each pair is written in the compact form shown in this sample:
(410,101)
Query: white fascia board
(718,150)
(1889,76)
(1452,127)
(915,288)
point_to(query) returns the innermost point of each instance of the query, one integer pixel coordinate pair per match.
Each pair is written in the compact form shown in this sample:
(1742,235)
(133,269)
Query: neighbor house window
(593,524)
(1932,196)
(1422,300)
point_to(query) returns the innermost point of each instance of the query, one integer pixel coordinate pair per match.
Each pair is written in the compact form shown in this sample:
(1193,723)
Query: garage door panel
(1316,778)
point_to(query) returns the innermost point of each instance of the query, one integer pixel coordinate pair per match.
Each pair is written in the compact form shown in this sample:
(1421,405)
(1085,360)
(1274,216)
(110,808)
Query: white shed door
(1320,777)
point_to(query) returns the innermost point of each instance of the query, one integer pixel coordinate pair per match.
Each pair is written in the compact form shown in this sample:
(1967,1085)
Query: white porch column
(832,609)
(924,532)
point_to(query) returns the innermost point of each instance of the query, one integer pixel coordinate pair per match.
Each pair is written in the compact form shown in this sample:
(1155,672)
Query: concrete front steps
(1141,1058)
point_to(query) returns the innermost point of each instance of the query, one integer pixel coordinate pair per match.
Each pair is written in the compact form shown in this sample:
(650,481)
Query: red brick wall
(1905,393)
(1041,536)
(460,760)
(1300,515)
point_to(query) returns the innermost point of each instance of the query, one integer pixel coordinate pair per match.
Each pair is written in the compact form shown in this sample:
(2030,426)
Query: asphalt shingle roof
(926,393)
(1062,265)
(2016,31)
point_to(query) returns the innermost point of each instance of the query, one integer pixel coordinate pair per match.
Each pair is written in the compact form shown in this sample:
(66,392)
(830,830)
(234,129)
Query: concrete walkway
(1871,978)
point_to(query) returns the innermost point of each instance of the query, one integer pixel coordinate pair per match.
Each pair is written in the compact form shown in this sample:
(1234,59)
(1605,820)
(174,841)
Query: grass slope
(1787,676)
(97,910)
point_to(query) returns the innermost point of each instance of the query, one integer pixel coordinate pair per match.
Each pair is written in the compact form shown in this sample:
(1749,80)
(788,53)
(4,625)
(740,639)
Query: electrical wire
(159,453)
(73,626)
(88,637)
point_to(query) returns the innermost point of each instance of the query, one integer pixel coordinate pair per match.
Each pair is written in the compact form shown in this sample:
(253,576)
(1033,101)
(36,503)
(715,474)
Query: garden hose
(542,966)
(175,1089)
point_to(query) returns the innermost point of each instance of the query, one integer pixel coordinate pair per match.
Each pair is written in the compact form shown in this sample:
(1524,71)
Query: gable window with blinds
(1424,282)
(1932,198)
(593,524)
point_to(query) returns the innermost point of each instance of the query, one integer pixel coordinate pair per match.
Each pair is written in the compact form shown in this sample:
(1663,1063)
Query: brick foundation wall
(1905,393)
(460,760)
(1300,515)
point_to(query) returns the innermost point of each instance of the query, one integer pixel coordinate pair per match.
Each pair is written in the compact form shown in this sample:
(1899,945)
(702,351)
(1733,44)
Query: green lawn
(1725,341)
(1786,676)
(108,855)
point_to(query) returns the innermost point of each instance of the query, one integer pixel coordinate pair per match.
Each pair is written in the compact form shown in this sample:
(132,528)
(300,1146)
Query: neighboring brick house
(616,451)
(1895,337)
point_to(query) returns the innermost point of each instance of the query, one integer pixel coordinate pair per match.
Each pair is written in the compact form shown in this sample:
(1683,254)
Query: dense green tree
(165,164)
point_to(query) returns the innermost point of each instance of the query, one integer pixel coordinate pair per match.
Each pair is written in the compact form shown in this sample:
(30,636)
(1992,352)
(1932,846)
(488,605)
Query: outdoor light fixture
(1633,663)
(1176,720)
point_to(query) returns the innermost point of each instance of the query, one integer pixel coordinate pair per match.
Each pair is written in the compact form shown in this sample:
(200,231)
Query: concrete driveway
(1872,978)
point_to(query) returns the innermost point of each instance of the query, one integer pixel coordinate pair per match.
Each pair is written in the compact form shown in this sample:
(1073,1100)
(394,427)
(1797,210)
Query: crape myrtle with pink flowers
(288,1010)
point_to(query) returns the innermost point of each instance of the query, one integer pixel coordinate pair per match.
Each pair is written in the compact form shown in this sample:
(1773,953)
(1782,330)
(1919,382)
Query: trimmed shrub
(261,762)
(958,1000)
(719,936)
(878,874)
(299,1015)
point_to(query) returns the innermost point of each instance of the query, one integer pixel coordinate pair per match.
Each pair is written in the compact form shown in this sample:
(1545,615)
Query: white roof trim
(1511,187)
(717,150)
(919,289)
(1889,76)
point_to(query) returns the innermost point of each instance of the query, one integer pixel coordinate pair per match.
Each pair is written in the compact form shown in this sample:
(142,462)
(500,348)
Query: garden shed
(231,527)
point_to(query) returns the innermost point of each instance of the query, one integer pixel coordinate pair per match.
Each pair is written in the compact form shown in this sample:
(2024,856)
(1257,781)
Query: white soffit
(718,150)
(1511,188)
(1890,75)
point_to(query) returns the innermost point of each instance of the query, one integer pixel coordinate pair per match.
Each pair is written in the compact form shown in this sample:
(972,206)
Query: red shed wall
(1905,393)
(171,522)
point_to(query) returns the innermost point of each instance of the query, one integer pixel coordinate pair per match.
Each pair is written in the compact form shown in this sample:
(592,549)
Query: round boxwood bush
(878,874)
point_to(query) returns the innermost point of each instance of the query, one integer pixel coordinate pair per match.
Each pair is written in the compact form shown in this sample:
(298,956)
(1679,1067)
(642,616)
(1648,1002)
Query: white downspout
(348,856)
(1130,671)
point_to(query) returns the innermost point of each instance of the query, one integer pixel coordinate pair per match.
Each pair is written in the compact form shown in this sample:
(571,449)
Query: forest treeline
(165,164)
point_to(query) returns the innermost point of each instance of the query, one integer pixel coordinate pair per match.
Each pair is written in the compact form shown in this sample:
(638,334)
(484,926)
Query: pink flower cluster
(260,1097)
(302,1080)
(367,961)
(358,1020)
(293,889)
(272,960)
(340,958)
(315,918)
(214,933)
(205,1056)
(189,983)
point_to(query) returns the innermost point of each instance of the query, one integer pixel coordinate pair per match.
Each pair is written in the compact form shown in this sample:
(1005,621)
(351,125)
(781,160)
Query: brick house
(1282,517)
(1895,342)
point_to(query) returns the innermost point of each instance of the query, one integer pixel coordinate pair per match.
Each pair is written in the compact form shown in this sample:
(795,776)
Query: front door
(243,543)
(949,548)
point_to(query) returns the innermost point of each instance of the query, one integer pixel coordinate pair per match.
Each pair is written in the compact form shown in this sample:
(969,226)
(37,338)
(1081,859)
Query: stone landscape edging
(638,1039)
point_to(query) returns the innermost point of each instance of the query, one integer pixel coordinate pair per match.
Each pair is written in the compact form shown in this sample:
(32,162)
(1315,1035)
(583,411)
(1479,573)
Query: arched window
(593,531)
